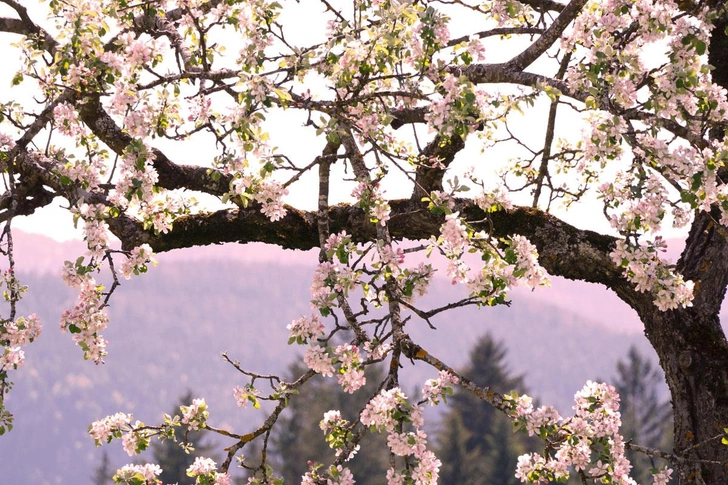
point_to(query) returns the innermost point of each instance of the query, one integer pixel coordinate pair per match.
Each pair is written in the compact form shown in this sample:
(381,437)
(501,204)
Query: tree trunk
(693,353)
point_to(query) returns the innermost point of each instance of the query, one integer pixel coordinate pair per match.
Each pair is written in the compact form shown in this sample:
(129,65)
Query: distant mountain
(168,328)
(39,254)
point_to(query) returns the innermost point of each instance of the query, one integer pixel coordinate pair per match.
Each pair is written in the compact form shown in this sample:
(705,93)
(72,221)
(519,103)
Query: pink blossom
(454,237)
(437,389)
(379,410)
(427,470)
(12,358)
(67,121)
(128,474)
(270,194)
(195,415)
(317,360)
(351,374)
(137,261)
(340,476)
(662,476)
(109,427)
(86,320)
(245,395)
(306,328)
(394,477)
(202,466)
(23,330)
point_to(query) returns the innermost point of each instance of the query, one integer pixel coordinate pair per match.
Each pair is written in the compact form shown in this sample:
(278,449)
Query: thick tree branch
(543,6)
(564,250)
(171,175)
(437,155)
(25,26)
(549,37)
(497,31)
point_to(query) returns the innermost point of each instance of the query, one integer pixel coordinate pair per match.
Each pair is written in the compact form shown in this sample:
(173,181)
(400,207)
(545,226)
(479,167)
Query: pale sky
(57,223)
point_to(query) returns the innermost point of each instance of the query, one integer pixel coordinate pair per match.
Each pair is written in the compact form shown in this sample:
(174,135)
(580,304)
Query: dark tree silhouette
(646,419)
(478,444)
(299,438)
(104,473)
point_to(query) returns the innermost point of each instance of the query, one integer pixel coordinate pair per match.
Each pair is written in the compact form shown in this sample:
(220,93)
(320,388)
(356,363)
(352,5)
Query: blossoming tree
(130,111)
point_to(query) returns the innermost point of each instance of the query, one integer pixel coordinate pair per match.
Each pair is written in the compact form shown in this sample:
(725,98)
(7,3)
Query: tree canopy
(374,130)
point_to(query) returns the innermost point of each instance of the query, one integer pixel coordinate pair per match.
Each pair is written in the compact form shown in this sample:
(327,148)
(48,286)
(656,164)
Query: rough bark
(693,353)
(690,342)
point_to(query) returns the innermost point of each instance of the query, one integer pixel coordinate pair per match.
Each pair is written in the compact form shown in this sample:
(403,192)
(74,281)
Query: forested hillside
(185,313)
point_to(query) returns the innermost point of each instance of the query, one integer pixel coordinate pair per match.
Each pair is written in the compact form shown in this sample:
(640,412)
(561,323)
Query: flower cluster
(380,411)
(270,194)
(440,388)
(6,142)
(524,259)
(138,475)
(371,199)
(109,428)
(643,267)
(635,215)
(377,350)
(335,475)
(136,184)
(204,471)
(389,411)
(506,263)
(66,120)
(318,360)
(461,106)
(195,415)
(604,141)
(491,201)
(336,429)
(136,440)
(662,477)
(351,372)
(87,318)
(160,209)
(589,441)
(305,329)
(329,280)
(137,261)
(12,358)
(95,232)
(267,192)
(13,336)
(246,394)
(411,282)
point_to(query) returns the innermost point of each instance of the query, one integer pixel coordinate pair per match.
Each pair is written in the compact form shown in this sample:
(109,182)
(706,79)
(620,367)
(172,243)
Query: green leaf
(342,255)
(697,181)
(699,47)
(332,137)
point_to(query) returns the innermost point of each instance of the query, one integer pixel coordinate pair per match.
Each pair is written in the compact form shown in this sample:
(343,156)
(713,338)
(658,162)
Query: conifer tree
(298,438)
(646,419)
(477,444)
(103,473)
